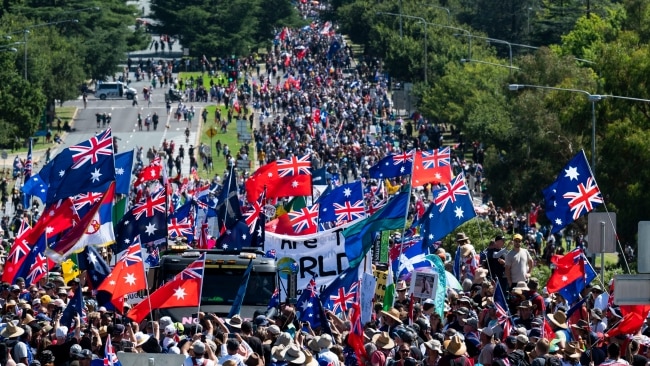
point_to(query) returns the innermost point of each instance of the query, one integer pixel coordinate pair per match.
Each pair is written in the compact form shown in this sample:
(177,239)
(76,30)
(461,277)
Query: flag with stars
(235,238)
(128,275)
(18,253)
(91,261)
(308,305)
(274,301)
(181,222)
(151,228)
(289,177)
(110,357)
(228,208)
(342,204)
(393,166)
(571,275)
(410,260)
(342,292)
(27,173)
(35,186)
(432,166)
(573,194)
(153,258)
(451,207)
(184,290)
(86,167)
(95,228)
(123,168)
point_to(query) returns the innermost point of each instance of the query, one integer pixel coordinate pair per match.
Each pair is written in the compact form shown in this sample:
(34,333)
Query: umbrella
(452,282)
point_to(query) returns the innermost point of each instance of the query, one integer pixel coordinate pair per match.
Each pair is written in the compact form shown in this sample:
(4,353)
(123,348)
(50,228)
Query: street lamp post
(469,45)
(441,8)
(465,60)
(25,32)
(469,35)
(423,21)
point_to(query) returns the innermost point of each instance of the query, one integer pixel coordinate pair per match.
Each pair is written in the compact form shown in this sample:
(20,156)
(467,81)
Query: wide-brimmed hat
(12,330)
(235,321)
(401,285)
(520,287)
(383,341)
(309,359)
(28,319)
(293,354)
(325,341)
(461,237)
(596,313)
(527,304)
(392,313)
(433,345)
(558,319)
(480,275)
(582,325)
(596,288)
(254,360)
(140,339)
(572,350)
(455,346)
(466,250)
(312,344)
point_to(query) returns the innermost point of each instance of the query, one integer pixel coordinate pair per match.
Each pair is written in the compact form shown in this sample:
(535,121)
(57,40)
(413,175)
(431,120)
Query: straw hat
(433,345)
(310,360)
(558,319)
(325,341)
(466,249)
(520,287)
(12,330)
(401,285)
(28,319)
(293,354)
(383,341)
(141,339)
(235,321)
(254,360)
(455,346)
(393,314)
(572,350)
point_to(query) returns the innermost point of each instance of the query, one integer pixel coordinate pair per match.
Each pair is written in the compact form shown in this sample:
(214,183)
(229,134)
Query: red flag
(569,268)
(630,324)
(18,253)
(316,115)
(184,290)
(203,237)
(127,276)
(282,178)
(237,106)
(548,332)
(301,53)
(148,173)
(432,166)
(283,34)
(355,337)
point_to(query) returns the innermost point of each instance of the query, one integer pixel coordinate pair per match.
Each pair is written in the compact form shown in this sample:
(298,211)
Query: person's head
(516,240)
(232,346)
(198,349)
(613,351)
(542,347)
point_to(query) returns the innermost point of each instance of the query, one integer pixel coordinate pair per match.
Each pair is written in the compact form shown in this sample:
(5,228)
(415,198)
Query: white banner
(321,255)
(368,285)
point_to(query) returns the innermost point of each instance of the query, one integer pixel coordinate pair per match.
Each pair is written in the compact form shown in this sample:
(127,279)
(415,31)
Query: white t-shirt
(199,362)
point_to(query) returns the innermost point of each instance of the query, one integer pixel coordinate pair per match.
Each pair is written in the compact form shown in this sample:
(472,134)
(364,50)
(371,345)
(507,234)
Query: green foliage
(479,231)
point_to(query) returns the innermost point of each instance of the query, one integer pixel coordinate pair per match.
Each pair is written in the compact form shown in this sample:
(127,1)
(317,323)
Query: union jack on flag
(251,216)
(37,269)
(133,253)
(195,270)
(403,158)
(375,204)
(149,205)
(585,199)
(343,299)
(451,191)
(349,211)
(110,357)
(436,158)
(180,227)
(294,166)
(305,218)
(89,151)
(83,199)
(503,313)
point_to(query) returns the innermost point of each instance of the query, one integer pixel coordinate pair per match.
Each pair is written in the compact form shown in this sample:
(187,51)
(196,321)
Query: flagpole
(146,281)
(406,214)
(225,215)
(198,310)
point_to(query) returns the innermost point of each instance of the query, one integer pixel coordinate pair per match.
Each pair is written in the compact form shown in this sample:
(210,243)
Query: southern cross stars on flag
(573,194)
(393,166)
(432,166)
(128,276)
(282,178)
(309,305)
(342,204)
(451,207)
(342,291)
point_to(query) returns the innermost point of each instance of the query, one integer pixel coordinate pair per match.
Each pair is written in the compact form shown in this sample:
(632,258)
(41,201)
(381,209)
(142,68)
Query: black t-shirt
(638,360)
(61,352)
(496,269)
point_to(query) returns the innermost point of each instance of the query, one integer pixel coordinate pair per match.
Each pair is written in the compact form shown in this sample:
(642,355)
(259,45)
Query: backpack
(517,358)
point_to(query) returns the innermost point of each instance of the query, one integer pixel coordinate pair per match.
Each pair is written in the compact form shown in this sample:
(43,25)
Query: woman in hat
(455,352)
(384,345)
(433,351)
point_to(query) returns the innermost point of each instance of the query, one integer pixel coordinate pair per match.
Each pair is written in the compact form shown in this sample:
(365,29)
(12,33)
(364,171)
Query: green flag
(119,209)
(389,295)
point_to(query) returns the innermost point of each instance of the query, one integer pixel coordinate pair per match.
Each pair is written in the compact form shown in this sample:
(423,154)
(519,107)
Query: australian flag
(144,219)
(451,207)
(573,194)
(123,169)
(342,204)
(236,237)
(274,301)
(309,305)
(181,222)
(342,292)
(503,313)
(96,272)
(153,258)
(88,166)
(35,186)
(75,306)
(228,208)
(393,166)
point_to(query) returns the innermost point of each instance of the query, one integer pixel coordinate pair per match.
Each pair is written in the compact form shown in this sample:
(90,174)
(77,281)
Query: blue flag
(147,218)
(334,48)
(123,169)
(239,299)
(17,167)
(319,176)
(342,291)
(75,306)
(571,290)
(343,204)
(573,194)
(86,167)
(181,224)
(359,236)
(457,265)
(308,305)
(503,312)
(451,207)
(274,301)
(94,264)
(228,208)
(153,258)
(412,259)
(35,264)
(393,166)
(35,186)
(235,238)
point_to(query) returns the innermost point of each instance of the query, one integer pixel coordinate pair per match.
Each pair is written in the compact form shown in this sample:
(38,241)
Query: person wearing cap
(519,263)
(601,298)
(401,290)
(487,346)
(198,355)
(472,341)
(588,341)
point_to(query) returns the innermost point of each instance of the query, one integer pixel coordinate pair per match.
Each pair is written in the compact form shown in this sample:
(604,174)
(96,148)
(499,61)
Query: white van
(114,90)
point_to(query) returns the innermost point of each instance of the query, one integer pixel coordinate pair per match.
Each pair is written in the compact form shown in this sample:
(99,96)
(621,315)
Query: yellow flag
(391,189)
(70,270)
